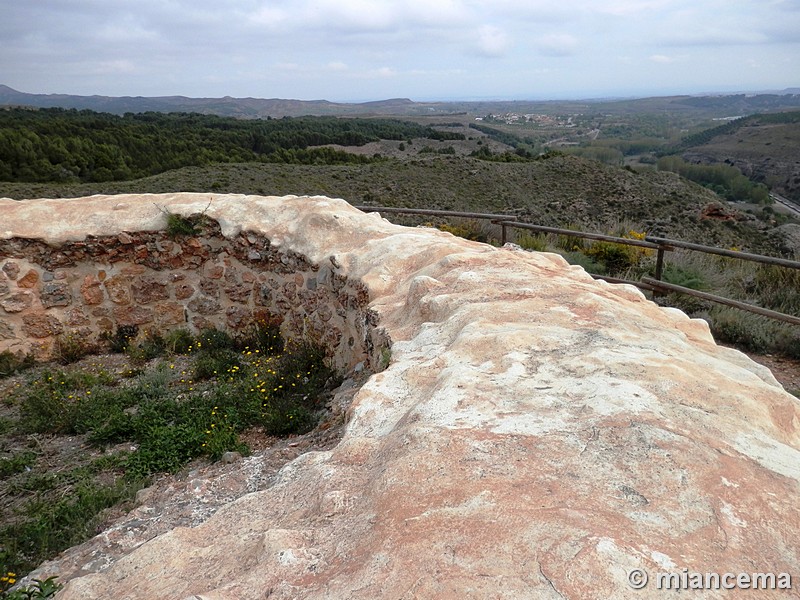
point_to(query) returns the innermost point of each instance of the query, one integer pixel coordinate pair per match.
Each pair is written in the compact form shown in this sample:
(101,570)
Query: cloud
(661,59)
(557,44)
(492,41)
(337,66)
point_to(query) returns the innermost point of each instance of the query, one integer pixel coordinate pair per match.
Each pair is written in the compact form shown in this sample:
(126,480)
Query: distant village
(537,119)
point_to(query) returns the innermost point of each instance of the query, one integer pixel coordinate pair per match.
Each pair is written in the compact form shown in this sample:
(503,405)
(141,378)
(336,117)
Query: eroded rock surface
(536,434)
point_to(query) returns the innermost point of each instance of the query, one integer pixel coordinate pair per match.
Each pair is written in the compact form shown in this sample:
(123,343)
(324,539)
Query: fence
(660,245)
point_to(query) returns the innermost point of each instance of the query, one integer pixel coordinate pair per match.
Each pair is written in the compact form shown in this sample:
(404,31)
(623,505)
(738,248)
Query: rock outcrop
(537,434)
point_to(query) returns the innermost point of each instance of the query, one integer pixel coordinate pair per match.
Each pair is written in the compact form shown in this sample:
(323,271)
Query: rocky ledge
(537,434)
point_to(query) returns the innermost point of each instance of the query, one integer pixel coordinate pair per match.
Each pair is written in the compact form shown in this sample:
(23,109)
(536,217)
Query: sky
(426,50)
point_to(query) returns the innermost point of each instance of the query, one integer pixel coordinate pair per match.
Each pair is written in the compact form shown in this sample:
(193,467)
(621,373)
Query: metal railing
(654,284)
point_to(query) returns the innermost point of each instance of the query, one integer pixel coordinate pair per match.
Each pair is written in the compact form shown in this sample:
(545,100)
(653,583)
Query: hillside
(559,191)
(701,107)
(764,149)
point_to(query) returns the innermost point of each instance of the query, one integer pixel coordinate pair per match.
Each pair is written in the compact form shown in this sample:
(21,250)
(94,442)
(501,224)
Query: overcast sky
(357,50)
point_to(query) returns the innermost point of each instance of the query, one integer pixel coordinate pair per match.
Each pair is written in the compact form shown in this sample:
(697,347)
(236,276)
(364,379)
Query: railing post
(660,263)
(503,237)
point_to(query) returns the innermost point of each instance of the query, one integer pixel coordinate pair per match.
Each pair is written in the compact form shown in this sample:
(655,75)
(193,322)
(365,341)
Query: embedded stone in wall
(118,289)
(55,293)
(209,288)
(263,296)
(239,292)
(205,306)
(237,317)
(133,315)
(147,289)
(41,325)
(170,313)
(6,331)
(75,317)
(17,302)
(29,280)
(214,271)
(11,269)
(183,291)
(4,287)
(91,291)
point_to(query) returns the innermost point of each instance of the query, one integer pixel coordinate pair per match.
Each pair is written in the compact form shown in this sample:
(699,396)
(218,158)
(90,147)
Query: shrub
(535,242)
(616,258)
(120,340)
(152,346)
(71,347)
(46,588)
(11,363)
(178,341)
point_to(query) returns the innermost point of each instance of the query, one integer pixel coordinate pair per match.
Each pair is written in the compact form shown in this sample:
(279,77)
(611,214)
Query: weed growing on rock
(46,588)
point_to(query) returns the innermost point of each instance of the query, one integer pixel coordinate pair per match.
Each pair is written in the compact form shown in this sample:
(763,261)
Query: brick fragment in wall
(91,291)
(118,289)
(170,313)
(29,280)
(55,293)
(11,269)
(105,324)
(147,289)
(133,315)
(248,277)
(41,325)
(17,302)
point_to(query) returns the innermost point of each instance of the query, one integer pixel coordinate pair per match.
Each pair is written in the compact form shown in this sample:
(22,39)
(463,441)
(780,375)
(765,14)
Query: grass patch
(166,414)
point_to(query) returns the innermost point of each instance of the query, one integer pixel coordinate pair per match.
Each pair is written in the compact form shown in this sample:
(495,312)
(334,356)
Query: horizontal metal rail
(770,260)
(662,245)
(772,314)
(583,234)
(437,213)
(639,284)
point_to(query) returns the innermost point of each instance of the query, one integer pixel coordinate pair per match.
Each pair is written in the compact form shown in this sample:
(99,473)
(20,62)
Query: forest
(70,146)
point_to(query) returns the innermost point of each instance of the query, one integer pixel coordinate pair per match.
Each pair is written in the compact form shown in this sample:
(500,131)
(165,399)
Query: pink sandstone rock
(536,434)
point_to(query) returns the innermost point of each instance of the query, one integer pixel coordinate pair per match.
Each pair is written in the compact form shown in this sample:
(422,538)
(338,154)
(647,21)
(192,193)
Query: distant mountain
(227,106)
(707,106)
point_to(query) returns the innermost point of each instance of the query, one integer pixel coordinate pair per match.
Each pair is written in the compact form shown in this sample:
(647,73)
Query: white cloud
(337,66)
(661,59)
(557,44)
(492,41)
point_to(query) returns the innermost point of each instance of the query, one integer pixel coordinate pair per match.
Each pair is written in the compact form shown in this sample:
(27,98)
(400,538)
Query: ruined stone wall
(155,283)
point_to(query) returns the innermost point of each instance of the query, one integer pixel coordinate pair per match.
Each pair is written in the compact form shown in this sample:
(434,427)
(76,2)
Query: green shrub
(178,341)
(121,338)
(152,346)
(535,242)
(46,588)
(616,258)
(17,463)
(211,364)
(71,347)
(11,363)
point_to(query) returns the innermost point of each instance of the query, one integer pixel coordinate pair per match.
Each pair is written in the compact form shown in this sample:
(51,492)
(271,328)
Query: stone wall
(152,282)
